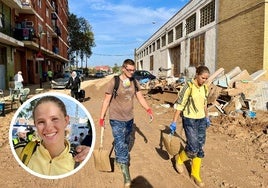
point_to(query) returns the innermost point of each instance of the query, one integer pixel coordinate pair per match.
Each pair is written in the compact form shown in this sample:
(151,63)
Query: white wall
(161,56)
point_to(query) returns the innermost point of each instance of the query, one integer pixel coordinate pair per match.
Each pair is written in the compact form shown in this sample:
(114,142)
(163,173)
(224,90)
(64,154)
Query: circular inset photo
(52,135)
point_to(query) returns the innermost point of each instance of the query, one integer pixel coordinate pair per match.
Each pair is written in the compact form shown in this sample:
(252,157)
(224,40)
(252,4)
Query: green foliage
(81,38)
(116,68)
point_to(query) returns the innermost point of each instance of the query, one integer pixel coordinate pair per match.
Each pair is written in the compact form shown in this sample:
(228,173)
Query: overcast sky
(120,26)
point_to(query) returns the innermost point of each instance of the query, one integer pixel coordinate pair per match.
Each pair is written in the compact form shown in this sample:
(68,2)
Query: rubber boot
(126,175)
(195,173)
(182,157)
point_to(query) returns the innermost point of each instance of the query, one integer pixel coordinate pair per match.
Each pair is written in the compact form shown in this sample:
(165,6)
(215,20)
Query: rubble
(238,92)
(233,92)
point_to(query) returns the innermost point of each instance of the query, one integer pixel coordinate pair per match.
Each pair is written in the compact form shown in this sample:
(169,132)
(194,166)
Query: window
(40,28)
(170,36)
(47,12)
(158,44)
(153,46)
(197,50)
(163,40)
(190,24)
(207,14)
(178,30)
(39,3)
(151,62)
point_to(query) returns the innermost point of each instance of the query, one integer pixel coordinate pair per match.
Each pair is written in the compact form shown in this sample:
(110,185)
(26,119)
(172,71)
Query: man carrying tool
(119,97)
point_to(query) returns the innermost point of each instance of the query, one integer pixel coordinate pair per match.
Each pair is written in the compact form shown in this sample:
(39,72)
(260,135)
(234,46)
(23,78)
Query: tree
(79,28)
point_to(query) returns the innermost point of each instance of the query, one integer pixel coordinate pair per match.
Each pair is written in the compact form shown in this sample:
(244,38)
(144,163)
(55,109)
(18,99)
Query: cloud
(121,26)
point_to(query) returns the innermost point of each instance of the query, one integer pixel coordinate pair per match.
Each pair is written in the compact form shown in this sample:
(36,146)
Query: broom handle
(101,137)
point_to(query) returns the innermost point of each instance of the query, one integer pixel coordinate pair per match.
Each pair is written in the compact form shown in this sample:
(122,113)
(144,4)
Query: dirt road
(236,152)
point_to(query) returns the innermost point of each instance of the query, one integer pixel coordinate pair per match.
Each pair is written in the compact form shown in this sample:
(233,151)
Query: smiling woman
(50,153)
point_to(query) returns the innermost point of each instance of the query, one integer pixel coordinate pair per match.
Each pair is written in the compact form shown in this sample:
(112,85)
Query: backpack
(190,99)
(28,151)
(117,82)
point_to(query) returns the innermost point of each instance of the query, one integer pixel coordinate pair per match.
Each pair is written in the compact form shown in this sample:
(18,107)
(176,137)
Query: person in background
(21,136)
(192,106)
(74,84)
(88,139)
(121,114)
(81,137)
(18,81)
(50,75)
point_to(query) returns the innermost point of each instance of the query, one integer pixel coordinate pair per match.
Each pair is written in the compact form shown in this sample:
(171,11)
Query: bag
(81,95)
(171,143)
(28,151)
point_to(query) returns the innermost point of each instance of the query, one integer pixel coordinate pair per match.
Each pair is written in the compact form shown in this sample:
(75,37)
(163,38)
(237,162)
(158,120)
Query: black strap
(116,86)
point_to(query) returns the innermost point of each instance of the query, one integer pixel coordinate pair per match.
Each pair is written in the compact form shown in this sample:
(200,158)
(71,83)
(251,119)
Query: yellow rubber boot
(196,165)
(182,157)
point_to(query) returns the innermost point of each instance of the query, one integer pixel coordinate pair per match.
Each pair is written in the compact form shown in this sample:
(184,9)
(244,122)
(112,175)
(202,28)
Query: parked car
(99,75)
(141,75)
(59,83)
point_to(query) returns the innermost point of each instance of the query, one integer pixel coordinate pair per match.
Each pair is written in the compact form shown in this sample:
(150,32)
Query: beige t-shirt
(121,107)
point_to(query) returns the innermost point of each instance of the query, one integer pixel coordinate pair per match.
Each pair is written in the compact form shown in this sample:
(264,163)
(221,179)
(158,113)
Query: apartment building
(215,33)
(33,39)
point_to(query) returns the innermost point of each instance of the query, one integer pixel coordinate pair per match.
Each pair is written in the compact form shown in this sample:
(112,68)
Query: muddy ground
(236,151)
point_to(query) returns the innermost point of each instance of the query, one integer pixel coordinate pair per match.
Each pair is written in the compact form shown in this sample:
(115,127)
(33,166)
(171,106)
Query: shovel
(102,157)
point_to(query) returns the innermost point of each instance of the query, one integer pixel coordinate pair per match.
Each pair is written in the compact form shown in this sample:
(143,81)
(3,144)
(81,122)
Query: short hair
(128,62)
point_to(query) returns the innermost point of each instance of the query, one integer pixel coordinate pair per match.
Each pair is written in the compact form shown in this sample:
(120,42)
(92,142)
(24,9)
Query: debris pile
(237,92)
(230,93)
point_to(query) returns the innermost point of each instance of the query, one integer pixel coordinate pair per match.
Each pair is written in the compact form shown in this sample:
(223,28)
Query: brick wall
(240,40)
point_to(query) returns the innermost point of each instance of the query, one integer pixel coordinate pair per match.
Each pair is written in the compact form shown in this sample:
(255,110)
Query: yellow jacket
(42,163)
(193,100)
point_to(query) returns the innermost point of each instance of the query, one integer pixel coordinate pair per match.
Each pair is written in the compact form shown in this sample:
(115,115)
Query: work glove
(101,123)
(172,127)
(208,122)
(150,113)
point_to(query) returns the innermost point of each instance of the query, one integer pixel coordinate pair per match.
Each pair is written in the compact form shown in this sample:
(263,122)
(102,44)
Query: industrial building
(215,33)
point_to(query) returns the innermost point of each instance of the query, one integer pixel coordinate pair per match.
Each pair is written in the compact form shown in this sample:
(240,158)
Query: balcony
(55,49)
(24,34)
(54,16)
(27,7)
(26,2)
(57,30)
(16,4)
(6,28)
